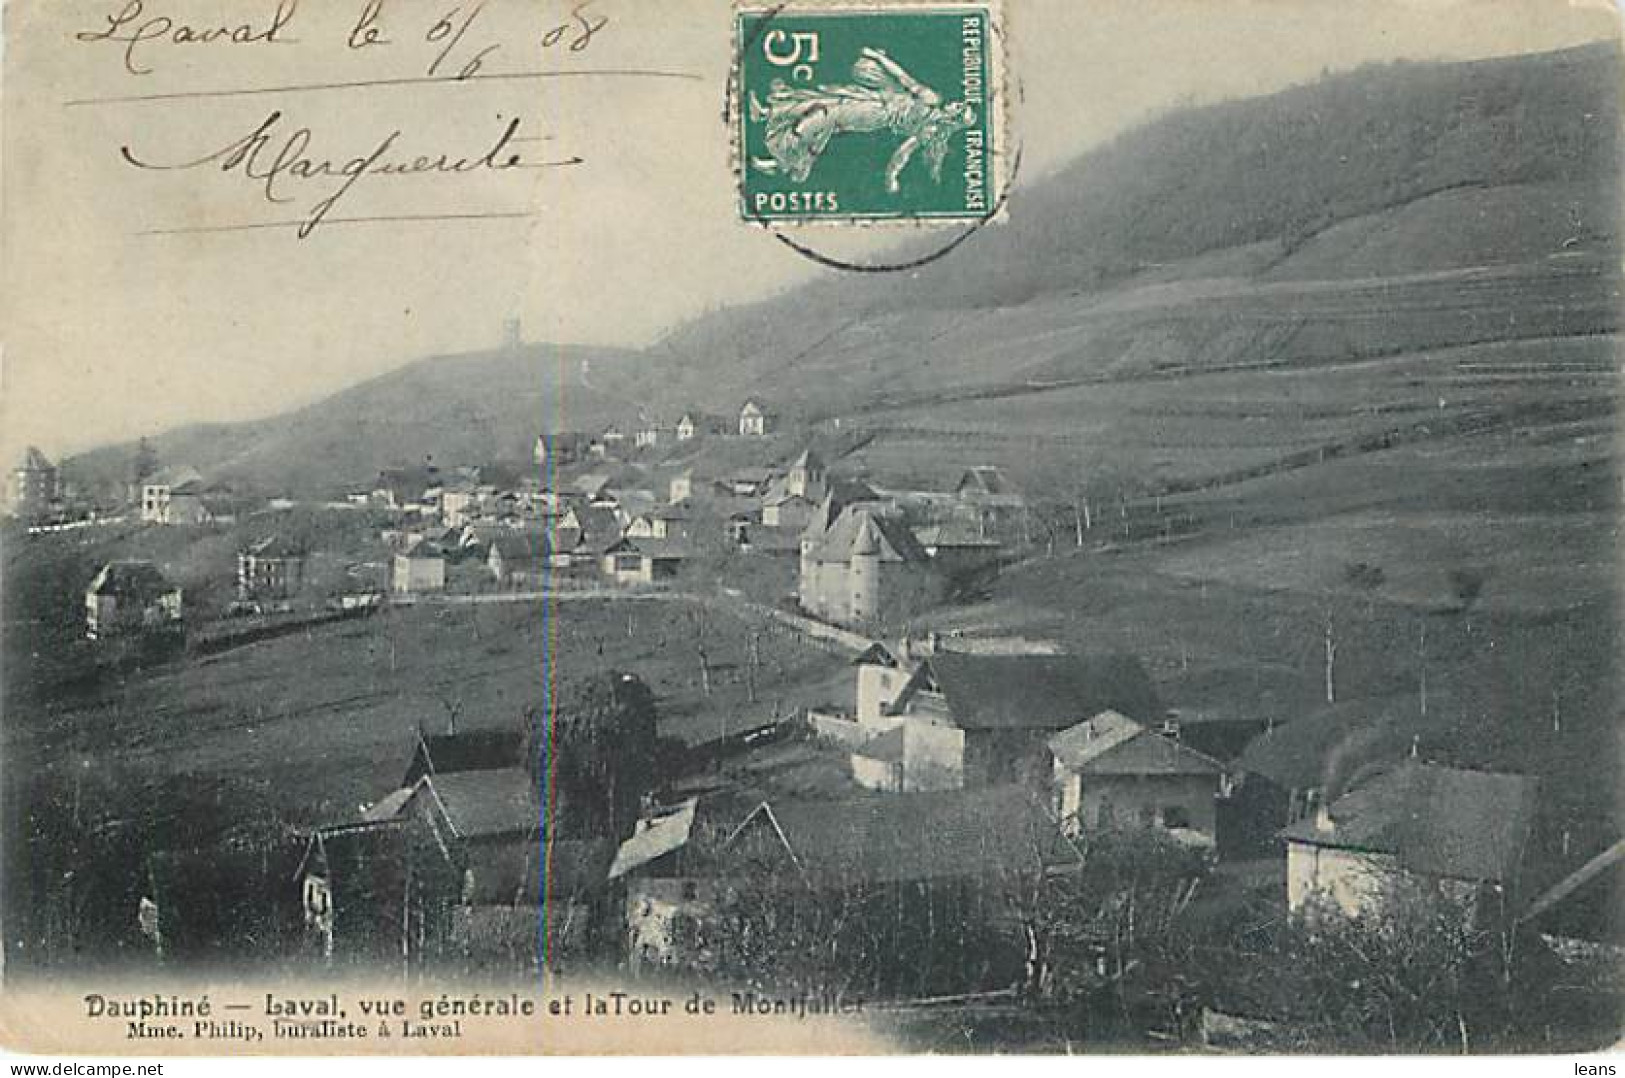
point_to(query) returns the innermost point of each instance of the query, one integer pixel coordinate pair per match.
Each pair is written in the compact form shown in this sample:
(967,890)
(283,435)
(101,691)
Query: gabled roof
(387,807)
(486,804)
(590,483)
(654,839)
(632,500)
(876,654)
(1113,744)
(1040,692)
(35,461)
(178,476)
(1437,821)
(840,494)
(273,546)
(365,869)
(951,834)
(864,529)
(468,750)
(984,479)
(656,549)
(134,581)
(599,526)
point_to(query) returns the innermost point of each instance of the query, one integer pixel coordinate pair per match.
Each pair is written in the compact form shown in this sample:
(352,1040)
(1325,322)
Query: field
(256,744)
(1285,392)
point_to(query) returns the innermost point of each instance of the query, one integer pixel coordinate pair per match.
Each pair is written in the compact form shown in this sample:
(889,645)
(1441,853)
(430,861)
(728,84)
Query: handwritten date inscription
(132,28)
(138,31)
(285,160)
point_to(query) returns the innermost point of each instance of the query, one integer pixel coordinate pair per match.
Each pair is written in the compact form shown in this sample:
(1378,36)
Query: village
(883,811)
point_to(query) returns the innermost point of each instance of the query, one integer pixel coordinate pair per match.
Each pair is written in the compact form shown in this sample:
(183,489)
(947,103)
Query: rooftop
(1437,821)
(135,580)
(1036,691)
(483,804)
(918,837)
(1113,744)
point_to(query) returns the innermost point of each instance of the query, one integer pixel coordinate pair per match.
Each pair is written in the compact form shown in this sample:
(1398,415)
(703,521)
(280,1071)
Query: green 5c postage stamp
(888,112)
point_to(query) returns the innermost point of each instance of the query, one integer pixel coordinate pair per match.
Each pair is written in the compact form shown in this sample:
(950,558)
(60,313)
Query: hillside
(1395,208)
(1385,172)
(468,408)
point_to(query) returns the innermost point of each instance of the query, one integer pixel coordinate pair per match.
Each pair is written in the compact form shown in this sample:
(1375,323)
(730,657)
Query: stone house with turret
(35,486)
(860,564)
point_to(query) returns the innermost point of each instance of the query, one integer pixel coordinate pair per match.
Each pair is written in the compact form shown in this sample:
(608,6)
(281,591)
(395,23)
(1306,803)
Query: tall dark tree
(597,751)
(145,461)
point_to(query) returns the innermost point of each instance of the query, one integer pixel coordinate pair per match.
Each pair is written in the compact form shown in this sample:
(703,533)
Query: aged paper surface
(583,526)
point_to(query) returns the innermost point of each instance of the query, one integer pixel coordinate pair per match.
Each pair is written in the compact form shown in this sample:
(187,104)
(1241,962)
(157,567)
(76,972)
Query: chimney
(1323,819)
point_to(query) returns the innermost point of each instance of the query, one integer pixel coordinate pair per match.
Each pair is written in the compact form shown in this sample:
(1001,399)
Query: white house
(1111,771)
(421,569)
(754,420)
(1460,834)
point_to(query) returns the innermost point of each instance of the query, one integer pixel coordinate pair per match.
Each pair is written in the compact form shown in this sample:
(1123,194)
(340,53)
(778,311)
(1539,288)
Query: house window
(628,563)
(1175,816)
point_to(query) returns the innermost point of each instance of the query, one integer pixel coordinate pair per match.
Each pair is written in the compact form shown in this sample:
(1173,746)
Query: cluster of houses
(529,533)
(753,420)
(964,772)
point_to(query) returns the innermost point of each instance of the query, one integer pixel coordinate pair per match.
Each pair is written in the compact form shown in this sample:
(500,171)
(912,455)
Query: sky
(121,318)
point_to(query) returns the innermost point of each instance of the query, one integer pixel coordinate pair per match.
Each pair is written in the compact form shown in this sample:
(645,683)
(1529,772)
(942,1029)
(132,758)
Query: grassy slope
(1380,173)
(232,748)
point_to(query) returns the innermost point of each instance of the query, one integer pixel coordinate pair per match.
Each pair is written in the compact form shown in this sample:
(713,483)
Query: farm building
(997,832)
(642,561)
(988,496)
(1113,772)
(665,890)
(419,570)
(1460,834)
(270,568)
(979,720)
(354,890)
(523,559)
(130,597)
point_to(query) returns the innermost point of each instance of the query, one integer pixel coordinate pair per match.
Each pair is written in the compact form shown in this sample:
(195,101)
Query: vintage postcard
(825,527)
